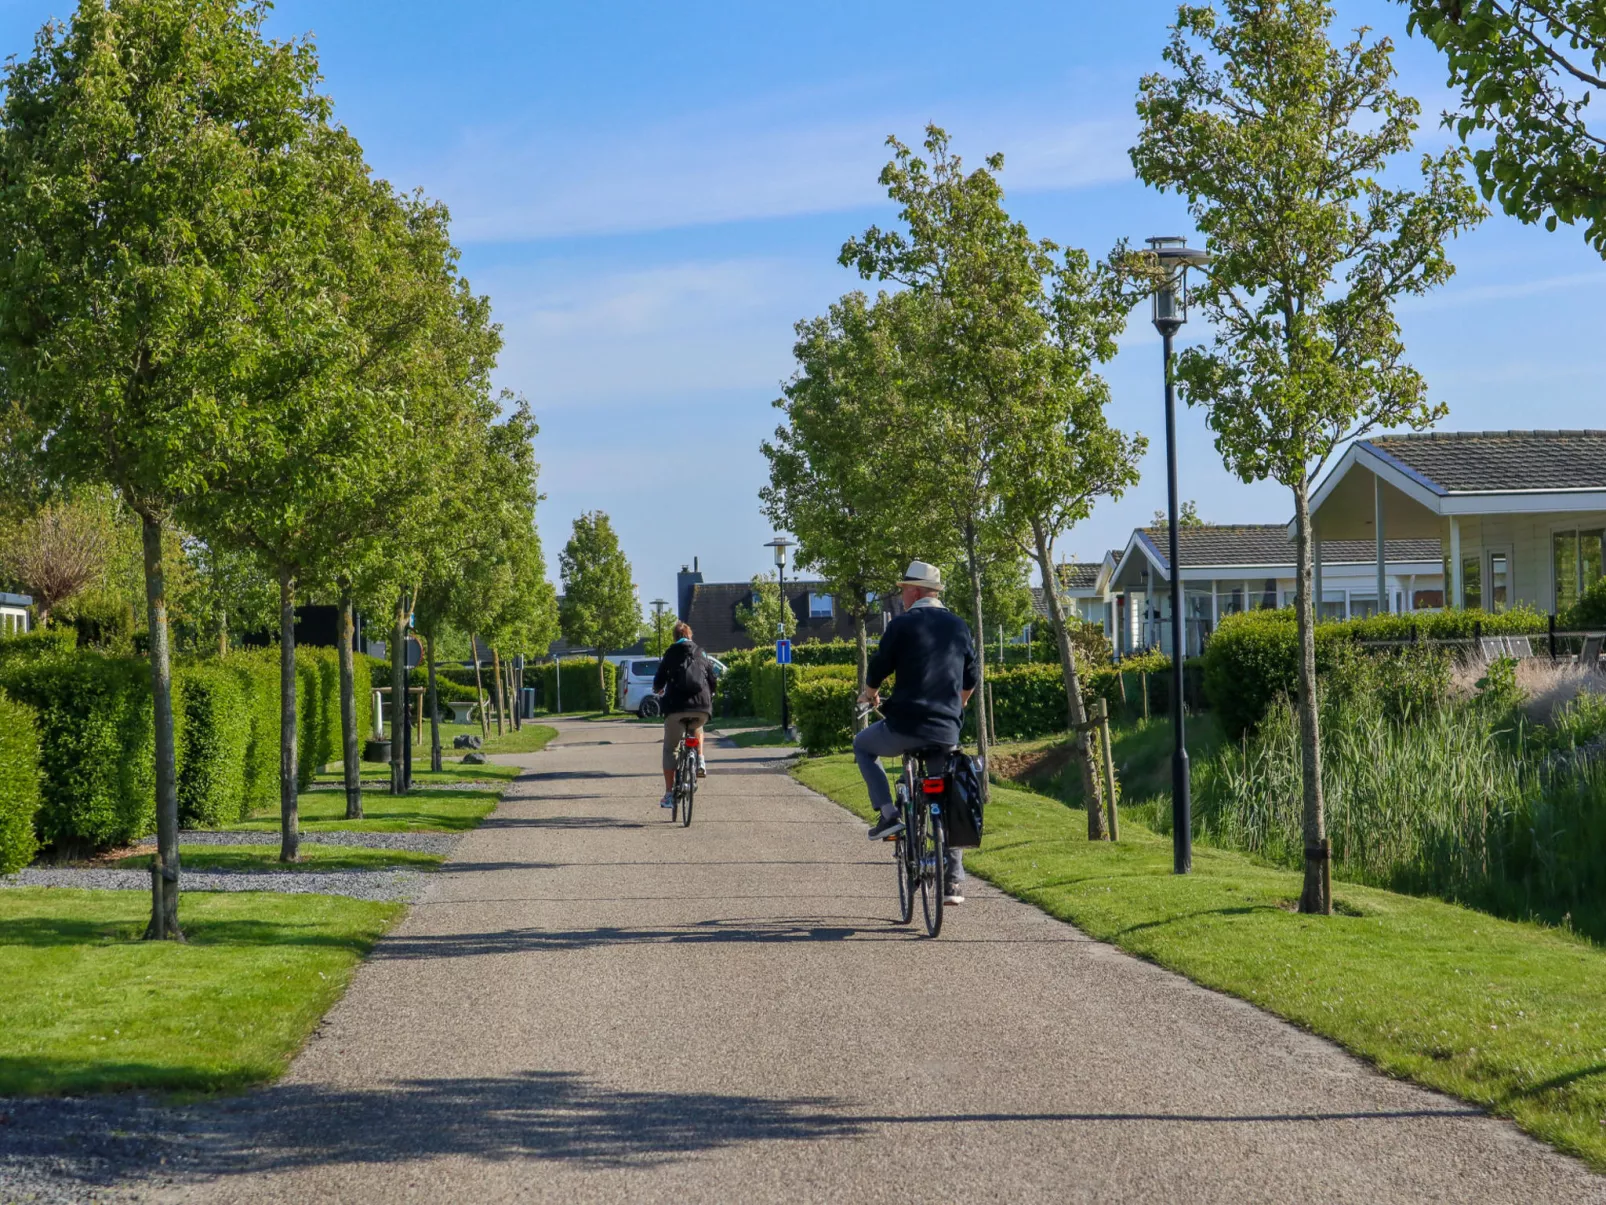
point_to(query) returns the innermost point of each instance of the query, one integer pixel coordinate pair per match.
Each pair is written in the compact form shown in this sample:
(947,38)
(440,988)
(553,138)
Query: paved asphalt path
(592,1005)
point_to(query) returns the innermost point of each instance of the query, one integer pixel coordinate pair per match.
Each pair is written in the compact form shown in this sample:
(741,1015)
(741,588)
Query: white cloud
(518,183)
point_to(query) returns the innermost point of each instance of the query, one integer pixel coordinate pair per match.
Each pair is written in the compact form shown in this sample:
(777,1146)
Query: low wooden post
(992,718)
(1102,715)
(1551,625)
(1120,680)
(1143,685)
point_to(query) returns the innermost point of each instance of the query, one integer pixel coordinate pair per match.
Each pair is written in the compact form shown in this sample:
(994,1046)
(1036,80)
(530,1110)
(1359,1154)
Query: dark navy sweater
(931,652)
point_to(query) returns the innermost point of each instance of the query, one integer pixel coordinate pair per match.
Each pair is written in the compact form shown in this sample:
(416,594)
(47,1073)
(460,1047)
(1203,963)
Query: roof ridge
(1454,435)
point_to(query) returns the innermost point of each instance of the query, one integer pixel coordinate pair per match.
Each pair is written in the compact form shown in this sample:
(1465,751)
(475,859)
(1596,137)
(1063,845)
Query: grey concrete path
(592,1005)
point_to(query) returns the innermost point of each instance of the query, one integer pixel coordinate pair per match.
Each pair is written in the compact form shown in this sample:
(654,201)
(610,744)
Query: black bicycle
(920,852)
(691,743)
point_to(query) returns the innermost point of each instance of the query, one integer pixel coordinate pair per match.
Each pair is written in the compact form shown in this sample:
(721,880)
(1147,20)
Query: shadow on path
(758,931)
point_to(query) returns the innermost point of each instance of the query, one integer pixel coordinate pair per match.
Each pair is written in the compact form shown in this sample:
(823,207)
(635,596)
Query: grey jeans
(869,747)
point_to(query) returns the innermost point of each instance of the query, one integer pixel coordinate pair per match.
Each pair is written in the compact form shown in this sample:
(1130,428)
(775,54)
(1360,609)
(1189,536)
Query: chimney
(686,582)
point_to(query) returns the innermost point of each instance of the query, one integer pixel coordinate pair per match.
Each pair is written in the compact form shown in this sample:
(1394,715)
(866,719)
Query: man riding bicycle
(686,683)
(932,654)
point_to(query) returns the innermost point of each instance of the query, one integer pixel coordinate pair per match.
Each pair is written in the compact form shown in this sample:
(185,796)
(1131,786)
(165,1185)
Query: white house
(1519,516)
(14,613)
(1084,591)
(1226,569)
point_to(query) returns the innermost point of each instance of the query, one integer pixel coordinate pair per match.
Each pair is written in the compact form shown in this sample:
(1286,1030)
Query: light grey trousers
(869,747)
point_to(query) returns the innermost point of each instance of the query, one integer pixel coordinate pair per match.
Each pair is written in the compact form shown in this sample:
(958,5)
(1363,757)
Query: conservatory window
(1472,582)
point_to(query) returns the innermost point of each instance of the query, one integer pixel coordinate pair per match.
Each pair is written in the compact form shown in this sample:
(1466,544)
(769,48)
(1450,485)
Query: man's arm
(968,679)
(660,679)
(885,658)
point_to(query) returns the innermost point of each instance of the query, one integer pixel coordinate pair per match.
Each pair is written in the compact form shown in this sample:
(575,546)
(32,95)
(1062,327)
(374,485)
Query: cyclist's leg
(869,747)
(694,727)
(672,734)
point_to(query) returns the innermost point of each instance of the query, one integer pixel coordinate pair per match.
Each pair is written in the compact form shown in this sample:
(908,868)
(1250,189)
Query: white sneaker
(668,801)
(702,767)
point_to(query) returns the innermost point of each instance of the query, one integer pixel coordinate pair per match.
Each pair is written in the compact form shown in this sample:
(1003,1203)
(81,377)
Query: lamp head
(780,544)
(1174,257)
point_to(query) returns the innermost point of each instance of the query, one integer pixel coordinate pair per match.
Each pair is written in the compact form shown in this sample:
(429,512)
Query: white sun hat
(926,576)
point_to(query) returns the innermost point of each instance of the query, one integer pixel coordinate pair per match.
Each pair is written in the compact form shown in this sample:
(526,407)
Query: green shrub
(580,692)
(256,671)
(823,709)
(736,685)
(825,652)
(767,677)
(58,641)
(96,747)
(216,738)
(19,784)
(1590,609)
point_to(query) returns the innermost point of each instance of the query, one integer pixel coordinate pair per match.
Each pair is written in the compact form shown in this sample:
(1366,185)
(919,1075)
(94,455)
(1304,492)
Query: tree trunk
(602,684)
(223,638)
(1075,713)
(980,697)
(164,867)
(434,708)
(518,693)
(349,761)
(1316,896)
(496,675)
(398,694)
(289,817)
(861,637)
(513,696)
(479,683)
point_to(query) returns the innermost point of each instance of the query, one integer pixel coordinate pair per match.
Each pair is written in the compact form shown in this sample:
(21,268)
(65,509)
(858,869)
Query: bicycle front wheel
(933,866)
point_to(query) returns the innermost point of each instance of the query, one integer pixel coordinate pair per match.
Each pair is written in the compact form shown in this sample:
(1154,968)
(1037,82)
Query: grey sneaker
(952,893)
(668,801)
(886,828)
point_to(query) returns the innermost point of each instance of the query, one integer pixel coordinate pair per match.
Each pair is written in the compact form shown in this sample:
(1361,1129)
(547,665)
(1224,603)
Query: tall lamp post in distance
(1174,257)
(780,544)
(658,605)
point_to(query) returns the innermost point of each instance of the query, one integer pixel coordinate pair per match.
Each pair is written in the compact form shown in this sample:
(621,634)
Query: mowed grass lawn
(451,773)
(434,809)
(1509,1016)
(88,1008)
(313,858)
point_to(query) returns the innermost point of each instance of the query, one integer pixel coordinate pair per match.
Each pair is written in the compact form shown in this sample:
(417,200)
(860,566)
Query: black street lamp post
(1174,257)
(658,605)
(780,544)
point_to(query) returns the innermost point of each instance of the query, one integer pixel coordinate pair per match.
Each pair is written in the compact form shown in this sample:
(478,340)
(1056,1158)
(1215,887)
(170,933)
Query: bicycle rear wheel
(685,785)
(933,850)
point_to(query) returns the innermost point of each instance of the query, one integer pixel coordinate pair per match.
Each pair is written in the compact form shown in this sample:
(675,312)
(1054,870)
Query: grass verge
(452,772)
(532,738)
(439,809)
(89,1008)
(266,858)
(1506,1015)
(760,737)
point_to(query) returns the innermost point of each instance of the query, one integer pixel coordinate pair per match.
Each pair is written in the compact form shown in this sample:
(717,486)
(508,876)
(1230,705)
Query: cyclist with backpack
(686,683)
(933,655)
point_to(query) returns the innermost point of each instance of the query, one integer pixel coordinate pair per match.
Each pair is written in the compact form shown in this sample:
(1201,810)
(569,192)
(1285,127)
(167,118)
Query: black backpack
(690,678)
(962,803)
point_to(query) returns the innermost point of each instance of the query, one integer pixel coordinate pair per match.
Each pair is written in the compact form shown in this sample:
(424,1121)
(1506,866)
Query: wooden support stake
(1120,680)
(1102,714)
(1143,683)
(992,718)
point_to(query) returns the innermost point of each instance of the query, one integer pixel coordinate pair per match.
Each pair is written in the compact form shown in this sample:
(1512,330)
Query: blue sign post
(783,652)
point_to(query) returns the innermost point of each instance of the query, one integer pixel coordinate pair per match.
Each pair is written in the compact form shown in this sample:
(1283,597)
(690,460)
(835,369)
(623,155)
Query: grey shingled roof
(1483,461)
(1268,544)
(1078,575)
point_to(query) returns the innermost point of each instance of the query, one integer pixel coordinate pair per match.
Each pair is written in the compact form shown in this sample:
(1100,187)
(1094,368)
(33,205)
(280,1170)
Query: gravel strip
(104,1148)
(404,885)
(424,843)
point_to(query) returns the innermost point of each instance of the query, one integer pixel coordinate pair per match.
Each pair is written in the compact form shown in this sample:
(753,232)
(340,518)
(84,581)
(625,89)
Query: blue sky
(653,194)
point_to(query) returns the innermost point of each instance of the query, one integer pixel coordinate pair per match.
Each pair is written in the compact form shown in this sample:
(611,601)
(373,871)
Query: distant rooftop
(1226,545)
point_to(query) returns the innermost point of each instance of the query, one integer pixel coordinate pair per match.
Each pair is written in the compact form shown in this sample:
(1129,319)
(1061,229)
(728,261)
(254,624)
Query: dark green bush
(1252,660)
(823,710)
(1590,609)
(19,784)
(736,685)
(767,677)
(580,692)
(825,652)
(41,642)
(216,737)
(96,747)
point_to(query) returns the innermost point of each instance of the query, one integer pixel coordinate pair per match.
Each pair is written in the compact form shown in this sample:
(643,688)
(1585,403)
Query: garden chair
(1589,656)
(1493,647)
(1518,646)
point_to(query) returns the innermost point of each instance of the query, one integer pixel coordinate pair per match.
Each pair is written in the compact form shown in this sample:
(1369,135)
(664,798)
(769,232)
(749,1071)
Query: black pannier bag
(962,803)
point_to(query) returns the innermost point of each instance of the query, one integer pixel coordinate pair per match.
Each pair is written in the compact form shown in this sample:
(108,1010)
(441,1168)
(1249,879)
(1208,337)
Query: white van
(635,684)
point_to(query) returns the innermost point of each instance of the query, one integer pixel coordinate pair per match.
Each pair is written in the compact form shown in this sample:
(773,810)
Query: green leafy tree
(1063,456)
(146,148)
(599,606)
(974,326)
(767,618)
(832,483)
(1277,138)
(60,551)
(1187,516)
(1527,72)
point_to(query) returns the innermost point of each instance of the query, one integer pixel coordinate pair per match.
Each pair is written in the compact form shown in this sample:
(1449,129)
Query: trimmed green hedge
(96,747)
(767,677)
(1252,658)
(257,673)
(41,642)
(579,684)
(736,685)
(216,737)
(823,710)
(19,784)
